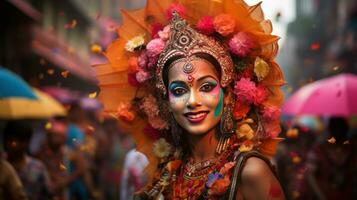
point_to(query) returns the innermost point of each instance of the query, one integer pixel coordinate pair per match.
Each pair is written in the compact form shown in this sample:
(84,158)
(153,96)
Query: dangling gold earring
(227,127)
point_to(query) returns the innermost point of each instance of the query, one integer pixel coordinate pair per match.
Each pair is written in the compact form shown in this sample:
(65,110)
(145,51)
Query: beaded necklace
(191,177)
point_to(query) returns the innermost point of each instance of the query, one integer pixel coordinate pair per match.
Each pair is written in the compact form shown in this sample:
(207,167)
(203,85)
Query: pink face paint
(275,191)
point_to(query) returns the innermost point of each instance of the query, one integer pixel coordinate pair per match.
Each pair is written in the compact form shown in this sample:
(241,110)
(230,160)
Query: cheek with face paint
(177,102)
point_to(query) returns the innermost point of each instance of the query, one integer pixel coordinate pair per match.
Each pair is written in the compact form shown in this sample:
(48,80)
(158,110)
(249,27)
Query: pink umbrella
(334,96)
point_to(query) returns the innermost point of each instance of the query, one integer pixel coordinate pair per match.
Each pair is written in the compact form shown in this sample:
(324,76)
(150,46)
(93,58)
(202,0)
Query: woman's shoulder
(255,168)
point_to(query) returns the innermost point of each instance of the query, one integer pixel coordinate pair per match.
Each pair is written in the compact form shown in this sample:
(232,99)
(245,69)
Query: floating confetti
(50,71)
(90,128)
(95,48)
(65,74)
(335,68)
(346,142)
(332,140)
(292,133)
(92,95)
(296,159)
(71,25)
(315,46)
(62,167)
(48,126)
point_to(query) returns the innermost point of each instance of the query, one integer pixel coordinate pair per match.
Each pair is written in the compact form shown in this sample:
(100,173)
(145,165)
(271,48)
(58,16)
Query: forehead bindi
(201,69)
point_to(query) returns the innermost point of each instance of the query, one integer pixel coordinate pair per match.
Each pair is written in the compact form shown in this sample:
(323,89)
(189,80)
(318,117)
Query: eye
(207,87)
(178,91)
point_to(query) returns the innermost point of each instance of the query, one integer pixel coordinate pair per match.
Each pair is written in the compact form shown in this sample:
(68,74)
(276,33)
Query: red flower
(205,25)
(180,9)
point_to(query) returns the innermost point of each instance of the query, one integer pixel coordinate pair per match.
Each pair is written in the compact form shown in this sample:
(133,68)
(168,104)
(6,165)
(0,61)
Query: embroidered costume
(228,34)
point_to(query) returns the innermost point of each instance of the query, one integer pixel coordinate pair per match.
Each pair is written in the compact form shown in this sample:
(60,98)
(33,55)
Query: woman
(201,97)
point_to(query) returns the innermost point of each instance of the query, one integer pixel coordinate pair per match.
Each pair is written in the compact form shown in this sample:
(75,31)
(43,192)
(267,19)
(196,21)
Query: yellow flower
(161,148)
(261,68)
(244,130)
(246,146)
(134,42)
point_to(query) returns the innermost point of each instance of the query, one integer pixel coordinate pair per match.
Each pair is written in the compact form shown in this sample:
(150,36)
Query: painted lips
(196,117)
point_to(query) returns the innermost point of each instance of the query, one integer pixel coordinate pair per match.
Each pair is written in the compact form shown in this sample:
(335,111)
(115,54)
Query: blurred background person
(332,165)
(11,187)
(133,177)
(32,172)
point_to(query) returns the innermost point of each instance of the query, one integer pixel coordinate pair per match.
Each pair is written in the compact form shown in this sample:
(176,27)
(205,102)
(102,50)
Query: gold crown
(186,42)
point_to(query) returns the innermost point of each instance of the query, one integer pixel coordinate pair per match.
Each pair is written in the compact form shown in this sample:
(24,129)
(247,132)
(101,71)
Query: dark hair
(338,128)
(19,129)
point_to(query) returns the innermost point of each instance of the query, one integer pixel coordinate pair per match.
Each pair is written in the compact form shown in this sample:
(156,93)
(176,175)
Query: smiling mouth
(196,117)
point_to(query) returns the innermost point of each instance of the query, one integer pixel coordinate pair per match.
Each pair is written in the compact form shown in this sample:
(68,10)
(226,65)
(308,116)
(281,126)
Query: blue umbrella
(11,85)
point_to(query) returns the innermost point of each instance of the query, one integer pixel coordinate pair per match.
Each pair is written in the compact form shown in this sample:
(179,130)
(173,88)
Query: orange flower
(225,169)
(124,112)
(173,165)
(246,146)
(224,24)
(240,110)
(220,186)
(133,65)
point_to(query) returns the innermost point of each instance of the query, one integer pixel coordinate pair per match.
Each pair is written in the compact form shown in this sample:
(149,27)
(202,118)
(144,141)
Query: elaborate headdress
(236,35)
(185,42)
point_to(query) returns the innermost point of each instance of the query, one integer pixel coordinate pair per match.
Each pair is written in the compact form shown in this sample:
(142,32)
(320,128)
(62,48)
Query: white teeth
(196,115)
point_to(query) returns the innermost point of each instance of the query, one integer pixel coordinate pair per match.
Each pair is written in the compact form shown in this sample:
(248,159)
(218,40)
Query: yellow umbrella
(19,108)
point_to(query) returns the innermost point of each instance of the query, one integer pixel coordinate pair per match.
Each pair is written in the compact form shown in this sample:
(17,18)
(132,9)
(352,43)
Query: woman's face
(196,98)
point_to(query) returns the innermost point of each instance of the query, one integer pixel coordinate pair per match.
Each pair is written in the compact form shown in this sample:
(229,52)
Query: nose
(194,100)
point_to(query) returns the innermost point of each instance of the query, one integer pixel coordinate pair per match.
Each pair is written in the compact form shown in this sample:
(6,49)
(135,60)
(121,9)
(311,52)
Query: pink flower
(271,113)
(142,76)
(165,33)
(180,9)
(205,25)
(143,60)
(155,28)
(155,47)
(260,95)
(152,133)
(158,123)
(132,80)
(245,90)
(224,24)
(149,105)
(241,44)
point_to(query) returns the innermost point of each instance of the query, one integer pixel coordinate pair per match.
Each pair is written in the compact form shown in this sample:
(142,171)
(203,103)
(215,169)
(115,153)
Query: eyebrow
(183,83)
(177,83)
(204,77)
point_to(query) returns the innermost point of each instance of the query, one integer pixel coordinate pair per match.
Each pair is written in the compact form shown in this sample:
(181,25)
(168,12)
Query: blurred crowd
(318,159)
(84,155)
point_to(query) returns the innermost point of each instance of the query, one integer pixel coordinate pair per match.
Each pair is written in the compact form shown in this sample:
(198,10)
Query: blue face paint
(219,107)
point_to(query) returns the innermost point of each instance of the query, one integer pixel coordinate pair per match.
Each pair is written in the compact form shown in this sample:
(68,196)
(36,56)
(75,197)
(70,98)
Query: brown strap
(236,178)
